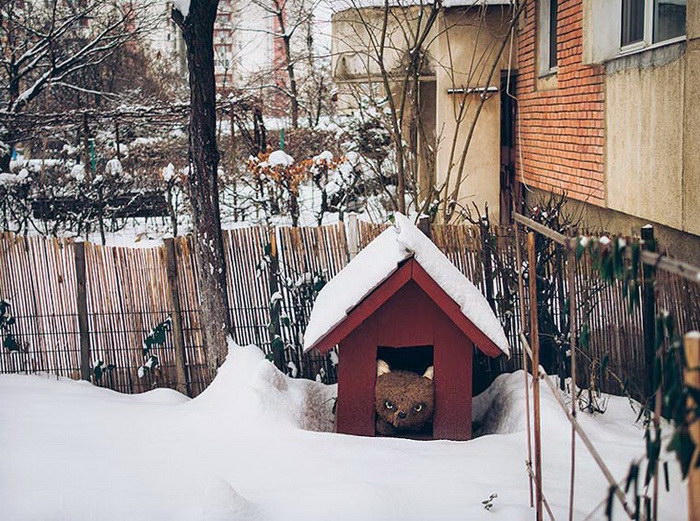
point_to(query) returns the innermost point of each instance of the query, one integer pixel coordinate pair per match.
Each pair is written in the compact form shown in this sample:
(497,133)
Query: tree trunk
(293,93)
(198,32)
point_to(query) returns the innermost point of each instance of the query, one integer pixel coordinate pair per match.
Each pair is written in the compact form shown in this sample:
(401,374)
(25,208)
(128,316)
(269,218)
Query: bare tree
(197,25)
(292,30)
(47,45)
(384,54)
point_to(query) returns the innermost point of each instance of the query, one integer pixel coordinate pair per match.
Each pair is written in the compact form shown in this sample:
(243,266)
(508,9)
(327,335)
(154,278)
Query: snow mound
(377,261)
(280,158)
(248,385)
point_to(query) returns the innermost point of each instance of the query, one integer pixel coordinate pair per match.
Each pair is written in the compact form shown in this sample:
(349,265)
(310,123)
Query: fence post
(182,385)
(276,342)
(535,345)
(571,274)
(523,325)
(692,379)
(353,236)
(648,312)
(424,226)
(81,294)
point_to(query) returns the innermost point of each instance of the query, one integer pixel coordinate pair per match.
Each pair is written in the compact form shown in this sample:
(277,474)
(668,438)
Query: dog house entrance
(415,359)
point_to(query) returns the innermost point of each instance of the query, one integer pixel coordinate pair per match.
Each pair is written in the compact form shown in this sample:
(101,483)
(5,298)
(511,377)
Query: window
(646,22)
(547,54)
(552,33)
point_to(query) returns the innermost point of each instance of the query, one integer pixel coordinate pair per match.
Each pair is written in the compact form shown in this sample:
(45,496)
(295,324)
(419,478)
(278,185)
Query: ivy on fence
(618,258)
(9,341)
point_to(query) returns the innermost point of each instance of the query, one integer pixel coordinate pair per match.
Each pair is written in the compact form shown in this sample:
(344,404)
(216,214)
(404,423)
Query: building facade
(608,107)
(459,152)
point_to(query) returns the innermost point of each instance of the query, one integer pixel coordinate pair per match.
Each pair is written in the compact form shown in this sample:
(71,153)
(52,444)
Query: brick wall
(560,131)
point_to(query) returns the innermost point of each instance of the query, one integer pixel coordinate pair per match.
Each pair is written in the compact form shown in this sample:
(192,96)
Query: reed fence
(119,294)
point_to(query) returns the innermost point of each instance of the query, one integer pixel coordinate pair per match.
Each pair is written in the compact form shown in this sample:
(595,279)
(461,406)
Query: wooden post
(571,272)
(424,226)
(523,325)
(83,328)
(535,345)
(353,236)
(181,382)
(692,379)
(648,313)
(116,143)
(277,344)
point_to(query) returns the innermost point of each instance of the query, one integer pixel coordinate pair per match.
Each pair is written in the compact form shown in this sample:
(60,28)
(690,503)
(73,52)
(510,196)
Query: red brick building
(607,113)
(561,124)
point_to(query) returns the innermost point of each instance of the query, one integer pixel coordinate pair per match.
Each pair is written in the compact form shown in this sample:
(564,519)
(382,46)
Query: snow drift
(239,451)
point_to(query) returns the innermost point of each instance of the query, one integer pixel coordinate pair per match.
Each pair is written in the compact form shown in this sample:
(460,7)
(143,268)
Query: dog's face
(404,399)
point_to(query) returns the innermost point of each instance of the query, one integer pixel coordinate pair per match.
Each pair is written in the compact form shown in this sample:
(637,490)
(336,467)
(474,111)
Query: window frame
(545,40)
(647,41)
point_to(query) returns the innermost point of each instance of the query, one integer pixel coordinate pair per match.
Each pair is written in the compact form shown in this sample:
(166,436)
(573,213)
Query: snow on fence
(129,291)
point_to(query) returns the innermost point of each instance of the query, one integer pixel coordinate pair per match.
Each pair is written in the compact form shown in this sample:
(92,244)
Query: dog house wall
(409,318)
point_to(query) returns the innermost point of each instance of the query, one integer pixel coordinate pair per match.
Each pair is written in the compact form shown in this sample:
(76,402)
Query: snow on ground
(240,451)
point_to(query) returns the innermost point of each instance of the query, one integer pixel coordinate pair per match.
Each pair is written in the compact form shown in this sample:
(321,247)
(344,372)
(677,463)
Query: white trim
(636,49)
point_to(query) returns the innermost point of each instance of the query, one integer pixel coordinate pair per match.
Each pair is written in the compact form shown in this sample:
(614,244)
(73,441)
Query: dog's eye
(388,404)
(418,408)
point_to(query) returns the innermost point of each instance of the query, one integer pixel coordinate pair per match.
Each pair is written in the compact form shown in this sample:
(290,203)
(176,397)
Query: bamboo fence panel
(368,232)
(306,254)
(613,361)
(127,296)
(248,287)
(196,368)
(37,276)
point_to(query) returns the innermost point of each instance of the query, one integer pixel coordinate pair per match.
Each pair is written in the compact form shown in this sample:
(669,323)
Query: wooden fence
(122,293)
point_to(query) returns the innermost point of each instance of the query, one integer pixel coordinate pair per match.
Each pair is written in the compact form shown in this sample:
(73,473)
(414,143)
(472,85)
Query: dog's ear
(429,373)
(382,368)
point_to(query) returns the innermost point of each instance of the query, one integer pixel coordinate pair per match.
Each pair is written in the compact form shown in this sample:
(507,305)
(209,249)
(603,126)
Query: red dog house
(400,299)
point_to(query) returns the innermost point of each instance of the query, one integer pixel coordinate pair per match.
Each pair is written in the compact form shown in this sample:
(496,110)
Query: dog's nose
(402,415)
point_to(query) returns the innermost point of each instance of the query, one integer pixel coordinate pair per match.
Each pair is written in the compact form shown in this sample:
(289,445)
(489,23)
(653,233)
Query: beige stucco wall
(480,182)
(644,122)
(691,124)
(461,52)
(653,132)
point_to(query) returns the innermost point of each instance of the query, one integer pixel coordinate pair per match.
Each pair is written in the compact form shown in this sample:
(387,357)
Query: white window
(547,38)
(647,22)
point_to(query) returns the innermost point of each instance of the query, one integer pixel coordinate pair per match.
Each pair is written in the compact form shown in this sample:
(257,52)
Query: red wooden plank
(356,380)
(452,358)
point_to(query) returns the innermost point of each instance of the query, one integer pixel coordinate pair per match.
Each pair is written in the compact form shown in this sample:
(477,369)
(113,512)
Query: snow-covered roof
(376,262)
